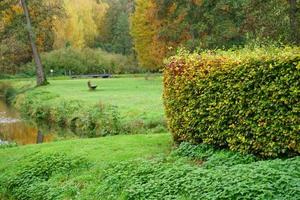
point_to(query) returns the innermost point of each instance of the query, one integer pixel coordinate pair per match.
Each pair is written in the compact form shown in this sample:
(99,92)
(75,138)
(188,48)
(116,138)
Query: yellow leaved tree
(145,31)
(81,24)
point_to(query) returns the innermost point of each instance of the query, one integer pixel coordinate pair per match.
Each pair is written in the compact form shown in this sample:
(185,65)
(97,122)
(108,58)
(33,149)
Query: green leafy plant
(34,174)
(209,157)
(4,145)
(7,92)
(161,179)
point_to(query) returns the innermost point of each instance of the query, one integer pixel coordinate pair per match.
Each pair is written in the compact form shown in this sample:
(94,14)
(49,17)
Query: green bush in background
(89,121)
(87,61)
(246,100)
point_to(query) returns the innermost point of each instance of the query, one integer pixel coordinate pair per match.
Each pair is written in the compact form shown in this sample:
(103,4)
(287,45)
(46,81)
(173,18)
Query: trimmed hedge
(247,100)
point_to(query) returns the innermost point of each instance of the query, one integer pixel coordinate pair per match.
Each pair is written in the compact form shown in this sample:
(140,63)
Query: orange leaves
(10,13)
(145,29)
(17,9)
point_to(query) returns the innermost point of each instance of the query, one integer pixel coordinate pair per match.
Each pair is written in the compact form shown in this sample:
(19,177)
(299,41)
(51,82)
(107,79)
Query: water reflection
(21,132)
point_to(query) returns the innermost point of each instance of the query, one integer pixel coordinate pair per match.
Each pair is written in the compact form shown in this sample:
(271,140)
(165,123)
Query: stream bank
(15,129)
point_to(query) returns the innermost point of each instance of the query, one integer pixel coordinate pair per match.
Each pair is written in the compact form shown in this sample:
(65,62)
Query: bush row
(82,119)
(246,100)
(87,61)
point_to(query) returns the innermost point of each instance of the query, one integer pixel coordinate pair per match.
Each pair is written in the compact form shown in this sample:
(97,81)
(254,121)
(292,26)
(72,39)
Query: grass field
(135,97)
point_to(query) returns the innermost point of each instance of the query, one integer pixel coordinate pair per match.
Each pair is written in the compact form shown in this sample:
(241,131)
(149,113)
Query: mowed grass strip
(134,97)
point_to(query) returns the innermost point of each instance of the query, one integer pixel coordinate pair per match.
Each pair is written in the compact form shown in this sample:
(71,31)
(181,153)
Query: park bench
(92,76)
(92,87)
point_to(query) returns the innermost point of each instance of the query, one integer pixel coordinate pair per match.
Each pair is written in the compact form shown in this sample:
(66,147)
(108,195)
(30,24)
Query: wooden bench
(92,87)
(92,76)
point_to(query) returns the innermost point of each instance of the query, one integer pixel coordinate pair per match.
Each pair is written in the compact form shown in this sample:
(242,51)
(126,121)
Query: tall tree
(145,27)
(81,24)
(40,74)
(114,36)
(121,42)
(15,50)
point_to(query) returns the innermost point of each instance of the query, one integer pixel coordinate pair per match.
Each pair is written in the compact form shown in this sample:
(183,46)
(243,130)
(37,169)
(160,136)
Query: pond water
(14,129)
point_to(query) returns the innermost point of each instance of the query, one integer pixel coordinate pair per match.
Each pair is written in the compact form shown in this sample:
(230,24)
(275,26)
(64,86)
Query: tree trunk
(39,137)
(40,74)
(295,35)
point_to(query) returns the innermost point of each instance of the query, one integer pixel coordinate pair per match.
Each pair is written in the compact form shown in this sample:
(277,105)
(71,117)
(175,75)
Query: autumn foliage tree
(15,49)
(114,34)
(81,24)
(145,31)
(160,26)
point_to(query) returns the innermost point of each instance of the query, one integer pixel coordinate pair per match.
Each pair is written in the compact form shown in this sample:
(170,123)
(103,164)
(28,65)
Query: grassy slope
(99,151)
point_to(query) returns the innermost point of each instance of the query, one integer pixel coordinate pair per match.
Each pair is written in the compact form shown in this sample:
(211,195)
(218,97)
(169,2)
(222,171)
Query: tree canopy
(148,30)
(209,24)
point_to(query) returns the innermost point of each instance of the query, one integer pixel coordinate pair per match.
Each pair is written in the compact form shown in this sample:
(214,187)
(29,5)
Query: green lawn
(135,97)
(99,150)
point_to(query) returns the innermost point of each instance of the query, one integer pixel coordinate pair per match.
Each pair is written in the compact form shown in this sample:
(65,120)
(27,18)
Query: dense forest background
(127,36)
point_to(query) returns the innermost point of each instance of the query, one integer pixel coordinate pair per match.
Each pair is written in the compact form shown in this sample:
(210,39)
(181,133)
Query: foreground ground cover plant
(140,167)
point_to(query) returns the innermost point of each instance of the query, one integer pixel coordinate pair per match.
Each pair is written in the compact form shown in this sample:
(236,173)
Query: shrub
(6,144)
(246,100)
(87,61)
(8,92)
(91,121)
